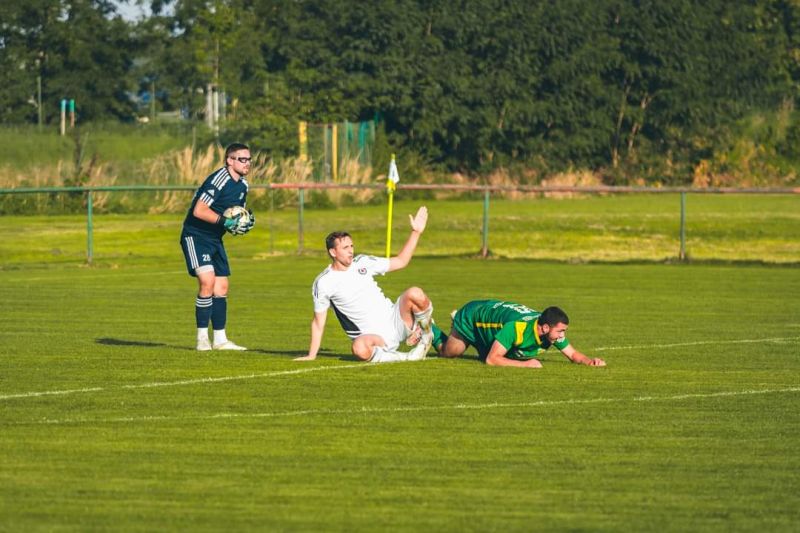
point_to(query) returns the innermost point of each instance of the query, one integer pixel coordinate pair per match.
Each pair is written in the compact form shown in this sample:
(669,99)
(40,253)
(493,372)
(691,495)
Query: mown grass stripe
(320,368)
(410,409)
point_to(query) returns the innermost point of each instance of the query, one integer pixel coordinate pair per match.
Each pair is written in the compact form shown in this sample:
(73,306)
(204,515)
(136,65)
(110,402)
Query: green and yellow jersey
(481,322)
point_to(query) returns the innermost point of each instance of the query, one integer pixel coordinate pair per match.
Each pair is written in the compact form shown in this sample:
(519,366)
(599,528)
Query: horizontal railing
(485,189)
(430,187)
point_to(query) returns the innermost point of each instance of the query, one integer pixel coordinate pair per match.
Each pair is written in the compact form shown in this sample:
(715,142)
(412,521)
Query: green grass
(28,146)
(645,444)
(110,420)
(37,158)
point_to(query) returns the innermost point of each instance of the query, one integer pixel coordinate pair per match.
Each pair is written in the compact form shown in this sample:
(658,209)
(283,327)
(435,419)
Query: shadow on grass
(122,342)
(299,353)
(108,341)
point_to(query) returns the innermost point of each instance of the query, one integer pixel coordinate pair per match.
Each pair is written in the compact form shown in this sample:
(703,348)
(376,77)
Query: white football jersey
(355,297)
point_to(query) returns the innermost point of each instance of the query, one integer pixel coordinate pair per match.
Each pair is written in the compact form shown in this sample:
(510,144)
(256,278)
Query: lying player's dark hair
(552,316)
(233,148)
(330,240)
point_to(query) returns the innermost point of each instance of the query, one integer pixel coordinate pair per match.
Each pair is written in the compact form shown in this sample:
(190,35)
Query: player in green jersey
(510,334)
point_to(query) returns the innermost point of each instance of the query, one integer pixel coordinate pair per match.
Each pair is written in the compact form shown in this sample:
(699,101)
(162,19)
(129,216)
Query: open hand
(420,220)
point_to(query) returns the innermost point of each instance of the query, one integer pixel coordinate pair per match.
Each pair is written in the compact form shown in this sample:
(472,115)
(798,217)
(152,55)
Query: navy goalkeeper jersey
(219,191)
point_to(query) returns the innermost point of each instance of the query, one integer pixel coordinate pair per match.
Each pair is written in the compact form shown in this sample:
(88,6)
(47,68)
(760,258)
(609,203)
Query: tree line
(632,87)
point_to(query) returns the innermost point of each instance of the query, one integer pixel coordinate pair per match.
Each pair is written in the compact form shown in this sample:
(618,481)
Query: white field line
(695,343)
(177,383)
(411,409)
(321,368)
(93,275)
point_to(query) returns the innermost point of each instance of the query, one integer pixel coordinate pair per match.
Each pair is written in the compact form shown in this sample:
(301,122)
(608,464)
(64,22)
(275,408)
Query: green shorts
(464,324)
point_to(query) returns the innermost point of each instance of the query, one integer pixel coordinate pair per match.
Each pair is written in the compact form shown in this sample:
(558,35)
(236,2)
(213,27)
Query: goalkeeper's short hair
(233,148)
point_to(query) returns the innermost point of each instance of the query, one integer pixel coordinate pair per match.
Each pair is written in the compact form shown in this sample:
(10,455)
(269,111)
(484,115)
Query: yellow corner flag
(391,185)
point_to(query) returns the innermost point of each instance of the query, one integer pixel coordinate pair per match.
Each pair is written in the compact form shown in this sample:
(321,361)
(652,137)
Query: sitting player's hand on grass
(596,361)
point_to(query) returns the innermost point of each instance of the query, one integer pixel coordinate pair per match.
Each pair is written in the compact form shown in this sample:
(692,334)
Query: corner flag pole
(391,185)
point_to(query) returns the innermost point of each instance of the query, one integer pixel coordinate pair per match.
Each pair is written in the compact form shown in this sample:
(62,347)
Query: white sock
(382,355)
(423,318)
(220,337)
(202,334)
(420,351)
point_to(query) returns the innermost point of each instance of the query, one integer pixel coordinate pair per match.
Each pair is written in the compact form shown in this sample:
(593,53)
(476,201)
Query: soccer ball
(244,224)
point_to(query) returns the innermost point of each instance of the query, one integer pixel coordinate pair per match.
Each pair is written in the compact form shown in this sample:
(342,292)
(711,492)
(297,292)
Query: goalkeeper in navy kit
(201,241)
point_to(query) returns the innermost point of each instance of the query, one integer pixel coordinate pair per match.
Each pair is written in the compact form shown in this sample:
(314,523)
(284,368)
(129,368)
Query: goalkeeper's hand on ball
(231,224)
(247,226)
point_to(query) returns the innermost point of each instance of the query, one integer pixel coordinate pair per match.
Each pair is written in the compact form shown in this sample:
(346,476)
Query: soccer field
(111,420)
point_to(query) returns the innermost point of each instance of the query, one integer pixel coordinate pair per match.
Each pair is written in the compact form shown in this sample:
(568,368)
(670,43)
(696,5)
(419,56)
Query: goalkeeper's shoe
(229,345)
(203,345)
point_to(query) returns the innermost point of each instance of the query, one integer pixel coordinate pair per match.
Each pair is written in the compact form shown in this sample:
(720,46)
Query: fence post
(485,231)
(271,215)
(300,220)
(682,252)
(89,229)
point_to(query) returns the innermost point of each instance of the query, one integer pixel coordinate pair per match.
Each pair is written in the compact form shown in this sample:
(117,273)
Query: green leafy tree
(79,48)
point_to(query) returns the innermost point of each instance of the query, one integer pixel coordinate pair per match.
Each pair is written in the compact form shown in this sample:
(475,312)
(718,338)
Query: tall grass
(107,155)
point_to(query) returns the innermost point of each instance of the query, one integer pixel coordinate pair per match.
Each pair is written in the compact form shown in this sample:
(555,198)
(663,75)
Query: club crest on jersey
(362,271)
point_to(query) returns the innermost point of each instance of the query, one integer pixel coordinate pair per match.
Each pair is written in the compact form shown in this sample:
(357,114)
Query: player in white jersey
(375,324)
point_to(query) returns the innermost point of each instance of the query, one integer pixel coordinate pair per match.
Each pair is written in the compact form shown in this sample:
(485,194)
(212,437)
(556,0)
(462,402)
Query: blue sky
(130,10)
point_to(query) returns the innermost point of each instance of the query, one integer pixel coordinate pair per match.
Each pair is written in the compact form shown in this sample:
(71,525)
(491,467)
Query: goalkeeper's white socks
(220,337)
(203,344)
(424,318)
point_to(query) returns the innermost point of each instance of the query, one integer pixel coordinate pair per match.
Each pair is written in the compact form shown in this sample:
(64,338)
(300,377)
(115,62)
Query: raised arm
(497,357)
(578,358)
(317,329)
(418,223)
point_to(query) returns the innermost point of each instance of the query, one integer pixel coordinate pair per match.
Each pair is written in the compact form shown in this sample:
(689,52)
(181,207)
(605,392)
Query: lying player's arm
(317,329)
(497,357)
(418,223)
(578,358)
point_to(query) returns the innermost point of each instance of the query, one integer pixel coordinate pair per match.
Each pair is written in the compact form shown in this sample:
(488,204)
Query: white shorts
(394,331)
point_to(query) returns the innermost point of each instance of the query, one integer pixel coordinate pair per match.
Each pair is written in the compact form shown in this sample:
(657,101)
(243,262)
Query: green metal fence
(485,190)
